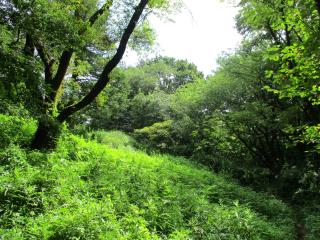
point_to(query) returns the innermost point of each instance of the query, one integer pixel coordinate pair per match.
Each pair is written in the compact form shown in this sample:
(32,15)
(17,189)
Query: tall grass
(96,190)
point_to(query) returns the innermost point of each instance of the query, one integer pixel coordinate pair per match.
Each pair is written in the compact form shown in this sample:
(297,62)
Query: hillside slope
(87,190)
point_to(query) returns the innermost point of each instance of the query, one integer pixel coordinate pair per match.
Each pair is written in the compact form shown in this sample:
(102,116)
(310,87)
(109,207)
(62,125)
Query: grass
(105,189)
(88,190)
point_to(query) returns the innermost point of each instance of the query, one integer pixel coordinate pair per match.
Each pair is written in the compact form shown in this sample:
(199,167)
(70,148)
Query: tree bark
(56,82)
(29,46)
(47,134)
(317,2)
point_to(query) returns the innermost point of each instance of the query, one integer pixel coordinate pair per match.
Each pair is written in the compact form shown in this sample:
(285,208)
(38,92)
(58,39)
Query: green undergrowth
(17,130)
(311,220)
(87,190)
(105,189)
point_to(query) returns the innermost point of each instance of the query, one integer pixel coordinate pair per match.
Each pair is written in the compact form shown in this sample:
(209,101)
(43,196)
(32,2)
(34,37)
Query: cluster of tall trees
(45,43)
(257,117)
(138,96)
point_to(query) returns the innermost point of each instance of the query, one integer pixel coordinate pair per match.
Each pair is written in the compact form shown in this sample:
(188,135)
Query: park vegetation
(92,149)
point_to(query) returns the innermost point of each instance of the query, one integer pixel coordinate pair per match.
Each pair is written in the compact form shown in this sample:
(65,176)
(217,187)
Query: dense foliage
(139,96)
(44,44)
(255,119)
(258,115)
(89,190)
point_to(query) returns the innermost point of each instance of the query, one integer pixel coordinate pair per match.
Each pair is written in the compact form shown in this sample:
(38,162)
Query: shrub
(311,217)
(113,139)
(20,192)
(157,136)
(16,130)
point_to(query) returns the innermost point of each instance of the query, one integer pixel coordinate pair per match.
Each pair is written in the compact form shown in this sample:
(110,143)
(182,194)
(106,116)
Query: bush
(311,218)
(158,136)
(113,139)
(21,187)
(16,130)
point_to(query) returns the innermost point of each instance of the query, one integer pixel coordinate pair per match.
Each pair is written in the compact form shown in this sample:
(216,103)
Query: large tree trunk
(47,134)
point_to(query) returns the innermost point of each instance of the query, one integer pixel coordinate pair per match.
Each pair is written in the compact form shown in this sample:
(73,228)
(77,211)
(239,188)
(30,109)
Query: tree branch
(61,72)
(29,46)
(104,77)
(47,61)
(272,33)
(317,2)
(18,38)
(297,34)
(99,12)
(67,55)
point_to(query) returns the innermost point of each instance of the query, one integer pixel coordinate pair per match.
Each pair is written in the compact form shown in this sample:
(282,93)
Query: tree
(290,30)
(61,35)
(136,96)
(166,74)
